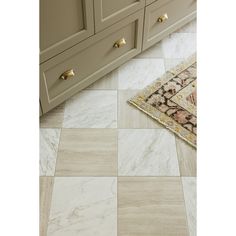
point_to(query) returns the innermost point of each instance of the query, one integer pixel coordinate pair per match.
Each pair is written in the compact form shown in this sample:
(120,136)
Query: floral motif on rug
(172,100)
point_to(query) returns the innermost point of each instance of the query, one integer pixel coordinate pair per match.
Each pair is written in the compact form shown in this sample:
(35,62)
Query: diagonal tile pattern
(108,169)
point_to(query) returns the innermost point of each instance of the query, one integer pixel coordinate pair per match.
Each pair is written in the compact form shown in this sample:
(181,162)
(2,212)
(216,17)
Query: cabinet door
(107,12)
(63,23)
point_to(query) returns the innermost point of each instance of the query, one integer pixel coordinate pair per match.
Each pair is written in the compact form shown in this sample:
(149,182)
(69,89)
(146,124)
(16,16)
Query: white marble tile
(179,45)
(138,73)
(153,52)
(190,27)
(147,152)
(171,63)
(83,206)
(109,81)
(189,187)
(49,140)
(91,109)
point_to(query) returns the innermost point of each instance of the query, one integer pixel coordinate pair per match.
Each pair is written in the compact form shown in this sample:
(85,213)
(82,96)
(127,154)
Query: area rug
(172,100)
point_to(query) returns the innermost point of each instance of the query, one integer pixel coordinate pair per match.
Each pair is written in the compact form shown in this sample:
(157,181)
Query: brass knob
(119,43)
(162,18)
(69,74)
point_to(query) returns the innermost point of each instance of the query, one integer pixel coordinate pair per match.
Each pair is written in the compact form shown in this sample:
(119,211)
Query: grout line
(117,176)
(185,207)
(176,149)
(117,156)
(58,151)
(157,128)
(49,199)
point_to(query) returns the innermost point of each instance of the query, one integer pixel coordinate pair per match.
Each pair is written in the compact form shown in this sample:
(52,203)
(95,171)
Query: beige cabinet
(64,23)
(107,12)
(164,16)
(84,63)
(150,1)
(82,40)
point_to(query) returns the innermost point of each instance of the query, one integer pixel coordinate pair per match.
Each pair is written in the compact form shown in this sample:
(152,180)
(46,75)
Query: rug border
(137,100)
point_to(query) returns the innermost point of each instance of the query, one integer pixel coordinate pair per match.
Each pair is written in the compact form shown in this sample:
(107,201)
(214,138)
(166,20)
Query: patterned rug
(172,100)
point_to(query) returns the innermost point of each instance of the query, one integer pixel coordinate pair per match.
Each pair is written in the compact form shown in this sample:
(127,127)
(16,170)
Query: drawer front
(107,12)
(89,60)
(164,16)
(64,23)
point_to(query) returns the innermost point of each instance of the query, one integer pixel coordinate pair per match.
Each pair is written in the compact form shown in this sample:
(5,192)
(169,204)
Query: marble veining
(138,73)
(147,152)
(189,187)
(91,109)
(49,140)
(83,206)
(179,45)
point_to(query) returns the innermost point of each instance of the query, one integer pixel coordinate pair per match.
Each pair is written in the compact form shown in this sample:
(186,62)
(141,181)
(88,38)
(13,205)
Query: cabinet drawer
(107,12)
(89,60)
(64,23)
(164,16)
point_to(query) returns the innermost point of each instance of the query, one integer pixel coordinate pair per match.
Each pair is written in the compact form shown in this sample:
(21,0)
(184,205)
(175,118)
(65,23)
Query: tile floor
(106,168)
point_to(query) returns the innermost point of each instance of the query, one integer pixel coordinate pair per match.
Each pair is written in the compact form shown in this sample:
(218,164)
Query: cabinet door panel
(107,12)
(63,23)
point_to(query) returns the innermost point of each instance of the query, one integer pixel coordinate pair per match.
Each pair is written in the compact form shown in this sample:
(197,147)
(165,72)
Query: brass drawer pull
(162,18)
(119,43)
(69,74)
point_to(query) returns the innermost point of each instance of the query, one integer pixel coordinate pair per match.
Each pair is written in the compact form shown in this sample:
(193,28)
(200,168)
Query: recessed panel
(59,19)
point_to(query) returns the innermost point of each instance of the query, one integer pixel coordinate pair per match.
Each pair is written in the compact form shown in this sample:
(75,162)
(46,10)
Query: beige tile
(83,206)
(49,141)
(151,206)
(109,81)
(187,157)
(46,187)
(129,116)
(147,152)
(54,118)
(189,186)
(87,152)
